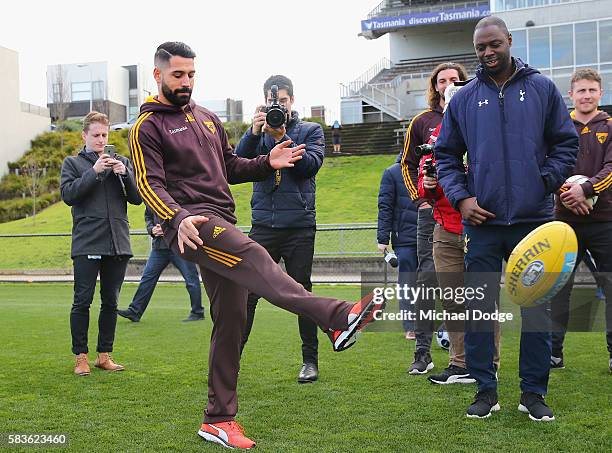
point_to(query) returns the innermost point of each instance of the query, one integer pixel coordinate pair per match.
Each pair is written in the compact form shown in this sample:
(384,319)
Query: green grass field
(347,192)
(364,400)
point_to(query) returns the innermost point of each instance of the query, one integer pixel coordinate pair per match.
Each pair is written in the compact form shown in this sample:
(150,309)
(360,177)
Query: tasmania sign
(431,18)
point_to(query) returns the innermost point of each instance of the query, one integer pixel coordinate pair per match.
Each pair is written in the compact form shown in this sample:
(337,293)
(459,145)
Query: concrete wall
(118,84)
(431,41)
(351,111)
(17,127)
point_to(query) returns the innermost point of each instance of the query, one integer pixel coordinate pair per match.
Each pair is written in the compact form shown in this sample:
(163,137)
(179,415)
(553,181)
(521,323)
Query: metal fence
(52,250)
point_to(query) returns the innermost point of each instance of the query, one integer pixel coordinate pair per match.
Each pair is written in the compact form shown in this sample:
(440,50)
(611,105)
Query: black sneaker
(534,405)
(557,362)
(309,373)
(194,317)
(452,375)
(610,365)
(129,314)
(422,363)
(484,403)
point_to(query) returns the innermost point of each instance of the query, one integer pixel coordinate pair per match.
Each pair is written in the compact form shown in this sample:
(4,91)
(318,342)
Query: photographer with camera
(419,133)
(283,205)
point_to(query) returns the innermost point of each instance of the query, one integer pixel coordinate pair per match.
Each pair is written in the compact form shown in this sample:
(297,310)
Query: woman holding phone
(97,184)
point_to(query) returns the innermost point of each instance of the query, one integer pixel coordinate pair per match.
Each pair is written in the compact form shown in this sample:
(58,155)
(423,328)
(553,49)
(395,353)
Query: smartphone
(110,150)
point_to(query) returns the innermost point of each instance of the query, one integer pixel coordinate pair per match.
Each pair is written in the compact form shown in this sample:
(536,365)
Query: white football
(442,338)
(579,179)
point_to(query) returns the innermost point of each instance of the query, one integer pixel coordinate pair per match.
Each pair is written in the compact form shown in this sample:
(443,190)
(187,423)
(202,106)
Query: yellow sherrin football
(541,264)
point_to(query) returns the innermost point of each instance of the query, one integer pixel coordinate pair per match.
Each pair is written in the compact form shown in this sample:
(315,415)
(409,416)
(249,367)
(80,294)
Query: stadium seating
(425,66)
(369,138)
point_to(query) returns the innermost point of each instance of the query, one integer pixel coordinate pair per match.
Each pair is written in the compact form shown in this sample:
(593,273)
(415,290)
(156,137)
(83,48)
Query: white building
(19,122)
(554,36)
(73,90)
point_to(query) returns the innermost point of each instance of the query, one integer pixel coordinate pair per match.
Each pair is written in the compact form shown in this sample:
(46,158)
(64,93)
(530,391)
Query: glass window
(605,41)
(562,45)
(98,89)
(81,91)
(562,78)
(539,47)
(586,43)
(519,44)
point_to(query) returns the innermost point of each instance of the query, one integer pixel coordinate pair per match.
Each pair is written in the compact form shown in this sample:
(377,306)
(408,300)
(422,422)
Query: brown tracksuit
(594,161)
(421,128)
(183,164)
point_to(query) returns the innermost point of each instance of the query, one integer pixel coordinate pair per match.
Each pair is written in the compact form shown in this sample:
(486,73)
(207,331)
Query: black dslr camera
(424,150)
(276,114)
(429,165)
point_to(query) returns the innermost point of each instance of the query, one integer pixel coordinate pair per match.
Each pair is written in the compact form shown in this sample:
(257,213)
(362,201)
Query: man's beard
(179,97)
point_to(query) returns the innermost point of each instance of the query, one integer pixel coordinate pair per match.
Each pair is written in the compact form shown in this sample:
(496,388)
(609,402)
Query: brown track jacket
(421,127)
(594,161)
(183,163)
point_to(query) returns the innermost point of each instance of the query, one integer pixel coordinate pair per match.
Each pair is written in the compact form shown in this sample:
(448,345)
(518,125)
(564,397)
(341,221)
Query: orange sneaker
(360,315)
(228,434)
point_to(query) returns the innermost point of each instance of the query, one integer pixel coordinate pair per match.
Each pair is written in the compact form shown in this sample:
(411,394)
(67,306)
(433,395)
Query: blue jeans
(487,246)
(426,277)
(157,262)
(407,258)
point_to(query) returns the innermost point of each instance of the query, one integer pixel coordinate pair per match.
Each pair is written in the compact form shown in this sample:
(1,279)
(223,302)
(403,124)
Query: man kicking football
(184,164)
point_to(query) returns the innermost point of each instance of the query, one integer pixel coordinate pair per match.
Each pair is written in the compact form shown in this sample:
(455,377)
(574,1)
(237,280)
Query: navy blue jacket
(397,214)
(290,203)
(520,141)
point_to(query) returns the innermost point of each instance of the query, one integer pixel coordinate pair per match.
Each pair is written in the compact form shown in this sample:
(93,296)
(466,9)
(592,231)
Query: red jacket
(444,213)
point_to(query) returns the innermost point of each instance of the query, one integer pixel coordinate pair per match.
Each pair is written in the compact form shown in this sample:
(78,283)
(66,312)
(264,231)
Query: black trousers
(296,247)
(112,271)
(595,237)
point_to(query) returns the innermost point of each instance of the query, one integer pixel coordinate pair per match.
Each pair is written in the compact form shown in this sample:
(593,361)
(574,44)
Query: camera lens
(275,117)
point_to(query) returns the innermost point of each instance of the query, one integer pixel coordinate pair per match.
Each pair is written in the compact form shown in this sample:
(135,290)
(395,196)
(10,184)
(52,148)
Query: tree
(33,172)
(60,88)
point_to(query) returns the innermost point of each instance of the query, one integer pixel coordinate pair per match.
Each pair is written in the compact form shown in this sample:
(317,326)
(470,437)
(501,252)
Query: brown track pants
(232,265)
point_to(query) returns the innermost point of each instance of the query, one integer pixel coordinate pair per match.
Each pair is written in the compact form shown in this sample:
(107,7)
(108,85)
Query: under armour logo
(522,93)
(481,103)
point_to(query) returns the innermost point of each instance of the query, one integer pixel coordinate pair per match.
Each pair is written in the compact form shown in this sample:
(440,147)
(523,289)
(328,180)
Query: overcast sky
(238,43)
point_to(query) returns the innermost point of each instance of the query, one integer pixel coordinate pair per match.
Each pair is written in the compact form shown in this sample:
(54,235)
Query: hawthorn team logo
(211,126)
(217,231)
(601,137)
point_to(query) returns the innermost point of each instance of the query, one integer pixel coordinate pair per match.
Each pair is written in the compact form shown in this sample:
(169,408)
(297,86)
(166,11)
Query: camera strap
(296,133)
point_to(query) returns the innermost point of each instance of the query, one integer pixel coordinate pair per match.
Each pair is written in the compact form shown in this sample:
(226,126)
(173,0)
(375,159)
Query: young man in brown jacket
(419,132)
(592,224)
(183,165)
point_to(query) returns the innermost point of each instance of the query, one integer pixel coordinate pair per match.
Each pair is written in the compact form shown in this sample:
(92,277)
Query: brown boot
(105,362)
(82,365)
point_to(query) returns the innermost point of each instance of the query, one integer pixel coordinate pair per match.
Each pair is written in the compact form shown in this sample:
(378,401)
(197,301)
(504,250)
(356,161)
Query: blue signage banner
(412,20)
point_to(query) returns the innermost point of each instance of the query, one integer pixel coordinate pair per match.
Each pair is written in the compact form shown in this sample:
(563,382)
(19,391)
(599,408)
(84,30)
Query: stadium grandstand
(554,36)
